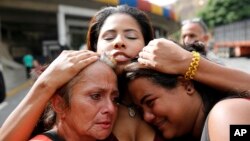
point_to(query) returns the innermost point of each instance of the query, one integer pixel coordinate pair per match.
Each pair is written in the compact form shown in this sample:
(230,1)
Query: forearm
(222,77)
(167,57)
(21,122)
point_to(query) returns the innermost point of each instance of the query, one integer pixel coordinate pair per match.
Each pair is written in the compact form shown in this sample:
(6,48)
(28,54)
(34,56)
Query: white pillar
(63,10)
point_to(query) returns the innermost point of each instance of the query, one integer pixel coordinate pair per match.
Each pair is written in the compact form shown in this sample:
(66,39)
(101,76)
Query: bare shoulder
(226,113)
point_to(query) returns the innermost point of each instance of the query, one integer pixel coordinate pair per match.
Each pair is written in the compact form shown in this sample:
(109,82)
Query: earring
(132,111)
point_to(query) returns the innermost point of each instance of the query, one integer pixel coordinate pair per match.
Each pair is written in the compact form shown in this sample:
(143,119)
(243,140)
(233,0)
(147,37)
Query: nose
(109,107)
(119,42)
(188,40)
(148,116)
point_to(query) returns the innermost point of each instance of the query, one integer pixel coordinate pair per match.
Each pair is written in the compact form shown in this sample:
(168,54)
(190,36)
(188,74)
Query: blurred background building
(45,27)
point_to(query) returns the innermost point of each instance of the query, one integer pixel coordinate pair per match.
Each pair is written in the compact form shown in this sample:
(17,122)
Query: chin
(168,135)
(102,136)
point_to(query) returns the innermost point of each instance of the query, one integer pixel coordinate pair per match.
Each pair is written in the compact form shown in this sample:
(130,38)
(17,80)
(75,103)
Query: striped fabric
(145,6)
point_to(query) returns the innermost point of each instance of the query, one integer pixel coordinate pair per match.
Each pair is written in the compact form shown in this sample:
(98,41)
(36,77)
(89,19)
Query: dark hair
(98,20)
(210,96)
(196,46)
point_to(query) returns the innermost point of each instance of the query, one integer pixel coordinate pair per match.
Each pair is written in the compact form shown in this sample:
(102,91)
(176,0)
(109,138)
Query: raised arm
(21,122)
(168,57)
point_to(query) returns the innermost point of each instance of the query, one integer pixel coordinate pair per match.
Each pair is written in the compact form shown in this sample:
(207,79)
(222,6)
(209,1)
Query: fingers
(146,55)
(149,48)
(76,56)
(82,55)
(147,63)
(143,61)
(73,60)
(78,60)
(66,66)
(84,63)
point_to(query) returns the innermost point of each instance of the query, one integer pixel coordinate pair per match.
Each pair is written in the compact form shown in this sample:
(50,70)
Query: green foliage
(175,36)
(219,12)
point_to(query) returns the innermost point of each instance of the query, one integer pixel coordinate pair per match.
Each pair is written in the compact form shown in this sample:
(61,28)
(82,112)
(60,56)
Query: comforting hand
(165,56)
(66,66)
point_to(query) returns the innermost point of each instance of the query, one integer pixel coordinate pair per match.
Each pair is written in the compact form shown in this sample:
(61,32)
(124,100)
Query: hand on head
(165,56)
(66,66)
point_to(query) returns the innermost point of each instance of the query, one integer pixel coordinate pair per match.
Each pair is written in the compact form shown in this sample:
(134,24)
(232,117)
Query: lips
(121,57)
(105,124)
(160,124)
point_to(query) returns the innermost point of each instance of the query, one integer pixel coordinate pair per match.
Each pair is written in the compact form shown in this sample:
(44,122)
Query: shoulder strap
(205,134)
(53,135)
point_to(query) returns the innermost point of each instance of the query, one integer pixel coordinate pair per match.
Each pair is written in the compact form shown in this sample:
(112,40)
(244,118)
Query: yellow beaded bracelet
(193,66)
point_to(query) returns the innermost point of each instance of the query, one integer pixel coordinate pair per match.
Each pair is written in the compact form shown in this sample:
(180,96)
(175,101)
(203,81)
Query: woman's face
(173,111)
(120,37)
(93,107)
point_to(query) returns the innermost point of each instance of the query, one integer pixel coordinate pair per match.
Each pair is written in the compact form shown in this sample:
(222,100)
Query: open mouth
(120,58)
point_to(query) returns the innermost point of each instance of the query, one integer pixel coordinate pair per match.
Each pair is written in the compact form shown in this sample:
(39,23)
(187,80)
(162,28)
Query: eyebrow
(143,99)
(126,30)
(110,31)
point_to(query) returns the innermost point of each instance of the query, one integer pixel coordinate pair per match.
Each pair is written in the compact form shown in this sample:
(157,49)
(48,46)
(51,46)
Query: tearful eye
(150,103)
(95,96)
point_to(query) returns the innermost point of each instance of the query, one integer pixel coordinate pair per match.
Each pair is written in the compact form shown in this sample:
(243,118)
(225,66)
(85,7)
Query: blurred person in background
(28,63)
(194,30)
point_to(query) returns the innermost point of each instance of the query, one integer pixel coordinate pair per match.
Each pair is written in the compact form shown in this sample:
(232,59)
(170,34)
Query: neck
(130,106)
(198,127)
